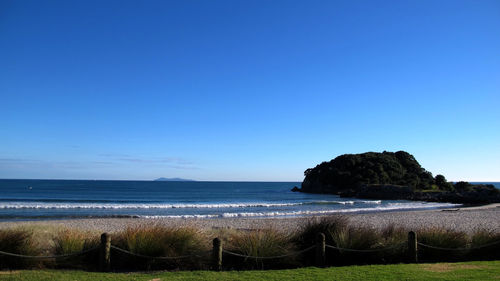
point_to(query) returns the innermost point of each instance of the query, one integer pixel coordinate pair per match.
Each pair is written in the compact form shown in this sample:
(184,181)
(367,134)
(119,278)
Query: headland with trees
(391,175)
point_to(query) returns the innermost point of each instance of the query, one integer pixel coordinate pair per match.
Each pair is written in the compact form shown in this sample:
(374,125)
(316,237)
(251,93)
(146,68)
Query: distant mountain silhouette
(172,179)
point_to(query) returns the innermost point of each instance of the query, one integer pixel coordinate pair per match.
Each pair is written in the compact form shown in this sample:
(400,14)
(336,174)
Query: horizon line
(191,180)
(183,180)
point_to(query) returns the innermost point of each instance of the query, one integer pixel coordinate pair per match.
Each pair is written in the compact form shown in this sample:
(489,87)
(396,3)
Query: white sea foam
(388,207)
(372,202)
(38,205)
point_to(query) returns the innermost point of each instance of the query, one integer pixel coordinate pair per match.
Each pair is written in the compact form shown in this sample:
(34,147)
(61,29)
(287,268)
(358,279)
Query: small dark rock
(295,189)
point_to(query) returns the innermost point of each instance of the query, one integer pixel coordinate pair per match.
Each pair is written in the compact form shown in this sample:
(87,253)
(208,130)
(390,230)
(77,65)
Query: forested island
(391,175)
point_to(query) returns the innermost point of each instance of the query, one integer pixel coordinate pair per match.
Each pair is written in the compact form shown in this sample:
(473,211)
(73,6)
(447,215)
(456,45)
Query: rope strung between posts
(49,257)
(152,257)
(268,258)
(366,251)
(458,249)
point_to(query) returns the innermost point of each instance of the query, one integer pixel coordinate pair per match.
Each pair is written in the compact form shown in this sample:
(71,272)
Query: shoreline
(481,206)
(466,218)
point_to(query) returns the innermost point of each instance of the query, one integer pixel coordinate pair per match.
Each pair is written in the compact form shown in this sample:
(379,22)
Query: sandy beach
(461,219)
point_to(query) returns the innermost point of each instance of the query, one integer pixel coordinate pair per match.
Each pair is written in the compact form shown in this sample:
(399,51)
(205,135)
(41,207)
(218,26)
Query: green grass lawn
(489,270)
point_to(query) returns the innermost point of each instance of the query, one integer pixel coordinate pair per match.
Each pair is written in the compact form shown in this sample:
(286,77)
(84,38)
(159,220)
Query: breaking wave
(55,205)
(390,207)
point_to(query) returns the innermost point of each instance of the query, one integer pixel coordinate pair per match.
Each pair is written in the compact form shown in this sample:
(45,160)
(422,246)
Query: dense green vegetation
(440,271)
(390,175)
(348,170)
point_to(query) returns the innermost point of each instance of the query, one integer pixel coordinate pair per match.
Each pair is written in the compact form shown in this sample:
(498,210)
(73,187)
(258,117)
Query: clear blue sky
(246,90)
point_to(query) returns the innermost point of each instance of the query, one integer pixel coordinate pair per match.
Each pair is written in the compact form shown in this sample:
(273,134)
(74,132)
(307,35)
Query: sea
(63,199)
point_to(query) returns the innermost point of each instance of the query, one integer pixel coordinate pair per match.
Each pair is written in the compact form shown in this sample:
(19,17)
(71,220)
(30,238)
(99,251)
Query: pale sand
(462,219)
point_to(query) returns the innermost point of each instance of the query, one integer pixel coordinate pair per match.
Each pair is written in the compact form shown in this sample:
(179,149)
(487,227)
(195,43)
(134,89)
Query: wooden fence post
(104,253)
(320,249)
(412,247)
(217,254)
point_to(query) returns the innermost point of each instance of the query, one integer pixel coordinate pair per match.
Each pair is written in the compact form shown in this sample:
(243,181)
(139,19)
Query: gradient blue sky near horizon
(246,90)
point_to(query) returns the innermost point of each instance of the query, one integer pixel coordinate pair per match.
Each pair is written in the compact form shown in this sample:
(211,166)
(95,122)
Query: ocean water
(57,199)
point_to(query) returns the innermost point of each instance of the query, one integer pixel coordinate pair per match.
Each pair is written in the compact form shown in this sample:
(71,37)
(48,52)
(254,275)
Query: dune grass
(485,237)
(485,270)
(340,233)
(69,241)
(17,241)
(161,241)
(195,245)
(268,242)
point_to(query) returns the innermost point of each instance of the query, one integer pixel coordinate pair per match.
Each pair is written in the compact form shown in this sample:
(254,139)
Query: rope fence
(49,257)
(217,252)
(269,257)
(458,249)
(153,257)
(367,251)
